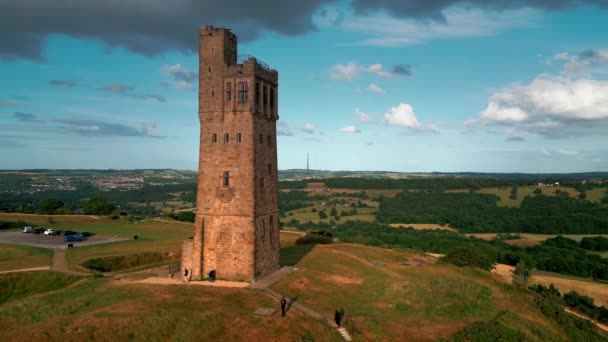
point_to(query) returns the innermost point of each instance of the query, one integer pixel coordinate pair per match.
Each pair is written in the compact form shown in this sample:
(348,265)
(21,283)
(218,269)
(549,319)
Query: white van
(28,229)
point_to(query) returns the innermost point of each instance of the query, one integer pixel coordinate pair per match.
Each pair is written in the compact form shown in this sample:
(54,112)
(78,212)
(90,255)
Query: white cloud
(551,106)
(386,31)
(565,152)
(184,79)
(377,70)
(373,88)
(362,117)
(345,72)
(562,56)
(350,129)
(403,115)
(308,128)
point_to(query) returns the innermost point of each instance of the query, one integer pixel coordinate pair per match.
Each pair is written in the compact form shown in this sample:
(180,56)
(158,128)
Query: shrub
(492,330)
(122,262)
(313,239)
(470,256)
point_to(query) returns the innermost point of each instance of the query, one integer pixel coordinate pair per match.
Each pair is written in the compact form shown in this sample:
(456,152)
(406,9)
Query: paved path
(41,268)
(272,278)
(169,281)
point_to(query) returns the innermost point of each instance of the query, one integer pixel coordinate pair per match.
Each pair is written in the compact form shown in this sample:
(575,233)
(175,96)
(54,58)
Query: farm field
(595,290)
(307,214)
(505,192)
(529,240)
(389,293)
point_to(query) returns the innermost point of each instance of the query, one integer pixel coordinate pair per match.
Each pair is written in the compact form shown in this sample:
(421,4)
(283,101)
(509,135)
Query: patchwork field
(529,240)
(430,226)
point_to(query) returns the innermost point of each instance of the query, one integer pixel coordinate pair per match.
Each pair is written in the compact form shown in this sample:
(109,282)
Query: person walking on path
(185,274)
(337,318)
(283,305)
(212,275)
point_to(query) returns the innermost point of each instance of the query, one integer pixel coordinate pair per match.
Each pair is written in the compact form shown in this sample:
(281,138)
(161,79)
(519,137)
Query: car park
(28,229)
(69,233)
(38,230)
(72,238)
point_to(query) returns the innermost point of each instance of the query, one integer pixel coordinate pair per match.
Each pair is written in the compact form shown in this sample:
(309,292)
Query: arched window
(226,138)
(214,138)
(226,179)
(228,91)
(243,92)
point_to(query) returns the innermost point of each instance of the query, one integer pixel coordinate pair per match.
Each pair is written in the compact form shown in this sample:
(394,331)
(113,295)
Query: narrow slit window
(239,138)
(226,138)
(209,69)
(214,138)
(271,221)
(272,99)
(262,182)
(243,92)
(269,141)
(228,91)
(261,138)
(226,179)
(265,98)
(213,93)
(257,94)
(269,169)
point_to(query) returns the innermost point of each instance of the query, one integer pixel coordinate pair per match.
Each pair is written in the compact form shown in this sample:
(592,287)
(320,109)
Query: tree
(97,206)
(50,205)
(513,195)
(538,191)
(470,256)
(322,214)
(333,211)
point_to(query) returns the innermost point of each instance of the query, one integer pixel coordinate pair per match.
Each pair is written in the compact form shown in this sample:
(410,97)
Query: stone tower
(236,231)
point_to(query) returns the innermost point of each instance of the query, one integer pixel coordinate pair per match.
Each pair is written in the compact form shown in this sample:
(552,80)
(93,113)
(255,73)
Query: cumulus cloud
(308,128)
(350,129)
(583,64)
(402,115)
(63,83)
(554,107)
(25,117)
(373,88)
(183,78)
(103,128)
(362,117)
(144,27)
(345,72)
(349,71)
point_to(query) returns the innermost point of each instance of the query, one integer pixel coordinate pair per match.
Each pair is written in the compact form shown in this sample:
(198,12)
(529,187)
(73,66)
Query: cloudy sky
(399,85)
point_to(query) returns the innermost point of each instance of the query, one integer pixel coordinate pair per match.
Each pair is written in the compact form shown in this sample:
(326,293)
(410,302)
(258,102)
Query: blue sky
(364,85)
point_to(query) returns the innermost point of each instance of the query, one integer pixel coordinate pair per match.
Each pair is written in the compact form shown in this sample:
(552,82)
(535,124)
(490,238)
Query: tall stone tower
(236,231)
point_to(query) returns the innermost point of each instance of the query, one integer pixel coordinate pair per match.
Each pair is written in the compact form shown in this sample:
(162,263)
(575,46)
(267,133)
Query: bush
(122,262)
(492,330)
(314,239)
(470,256)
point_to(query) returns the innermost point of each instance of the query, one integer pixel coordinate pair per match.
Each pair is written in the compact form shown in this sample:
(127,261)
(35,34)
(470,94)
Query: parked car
(38,230)
(84,234)
(71,238)
(28,229)
(69,233)
(50,232)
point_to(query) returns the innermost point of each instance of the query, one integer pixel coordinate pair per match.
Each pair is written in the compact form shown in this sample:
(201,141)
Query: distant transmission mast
(307,169)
